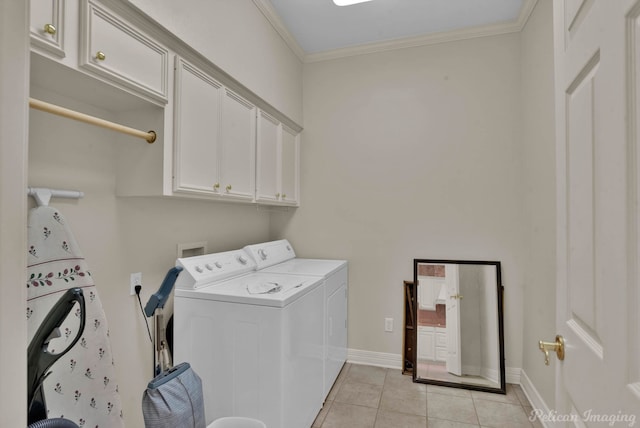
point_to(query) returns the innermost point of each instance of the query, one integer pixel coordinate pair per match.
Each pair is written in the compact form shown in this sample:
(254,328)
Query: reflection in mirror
(460,340)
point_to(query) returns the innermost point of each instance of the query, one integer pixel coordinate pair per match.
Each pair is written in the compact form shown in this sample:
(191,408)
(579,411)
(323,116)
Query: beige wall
(413,153)
(236,37)
(538,134)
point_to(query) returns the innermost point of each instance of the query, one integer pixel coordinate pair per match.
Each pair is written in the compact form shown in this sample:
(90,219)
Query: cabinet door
(115,50)
(196,124)
(47,25)
(289,162)
(426,343)
(441,354)
(426,295)
(237,147)
(441,344)
(441,338)
(267,169)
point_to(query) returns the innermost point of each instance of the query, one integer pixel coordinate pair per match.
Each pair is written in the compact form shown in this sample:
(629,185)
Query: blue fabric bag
(174,399)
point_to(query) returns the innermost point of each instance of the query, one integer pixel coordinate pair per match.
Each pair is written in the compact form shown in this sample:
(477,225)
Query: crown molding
(525,12)
(513,26)
(411,42)
(269,12)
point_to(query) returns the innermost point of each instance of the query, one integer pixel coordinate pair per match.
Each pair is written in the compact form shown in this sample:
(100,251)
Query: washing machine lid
(270,253)
(318,267)
(263,289)
(202,271)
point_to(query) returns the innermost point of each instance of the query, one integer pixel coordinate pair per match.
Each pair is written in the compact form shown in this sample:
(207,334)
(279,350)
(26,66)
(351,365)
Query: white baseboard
(536,400)
(513,375)
(491,374)
(472,370)
(394,361)
(370,358)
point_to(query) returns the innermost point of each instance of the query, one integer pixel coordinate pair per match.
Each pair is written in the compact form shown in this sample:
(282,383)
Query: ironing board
(82,386)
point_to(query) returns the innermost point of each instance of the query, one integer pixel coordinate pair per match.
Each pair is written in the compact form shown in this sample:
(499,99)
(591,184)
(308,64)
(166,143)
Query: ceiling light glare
(348,2)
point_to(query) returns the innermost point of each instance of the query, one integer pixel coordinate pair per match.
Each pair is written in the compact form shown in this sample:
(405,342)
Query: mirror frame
(500,309)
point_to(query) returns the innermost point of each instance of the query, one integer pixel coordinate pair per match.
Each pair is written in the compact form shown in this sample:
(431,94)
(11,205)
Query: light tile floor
(375,397)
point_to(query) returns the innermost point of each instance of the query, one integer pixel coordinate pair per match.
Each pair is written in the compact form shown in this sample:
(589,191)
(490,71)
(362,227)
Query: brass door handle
(457,296)
(100,56)
(557,347)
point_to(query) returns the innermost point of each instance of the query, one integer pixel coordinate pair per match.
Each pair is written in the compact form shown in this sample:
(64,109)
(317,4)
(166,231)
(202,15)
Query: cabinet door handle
(50,29)
(228,187)
(277,195)
(216,187)
(100,56)
(284,195)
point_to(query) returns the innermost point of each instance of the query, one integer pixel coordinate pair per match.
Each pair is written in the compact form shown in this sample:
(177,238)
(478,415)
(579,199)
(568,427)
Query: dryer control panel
(270,253)
(208,269)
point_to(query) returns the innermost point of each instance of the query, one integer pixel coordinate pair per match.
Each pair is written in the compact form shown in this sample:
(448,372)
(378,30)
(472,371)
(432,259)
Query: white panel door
(597,186)
(196,124)
(454,352)
(237,147)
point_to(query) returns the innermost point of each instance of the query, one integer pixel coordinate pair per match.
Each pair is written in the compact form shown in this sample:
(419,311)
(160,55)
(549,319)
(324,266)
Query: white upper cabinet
(48,26)
(277,179)
(214,137)
(237,146)
(267,168)
(113,49)
(213,141)
(197,106)
(290,164)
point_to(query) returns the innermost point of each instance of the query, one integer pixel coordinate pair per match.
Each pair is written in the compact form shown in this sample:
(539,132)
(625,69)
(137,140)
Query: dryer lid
(319,267)
(276,290)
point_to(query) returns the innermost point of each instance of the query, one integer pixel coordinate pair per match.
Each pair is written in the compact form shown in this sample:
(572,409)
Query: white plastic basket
(237,422)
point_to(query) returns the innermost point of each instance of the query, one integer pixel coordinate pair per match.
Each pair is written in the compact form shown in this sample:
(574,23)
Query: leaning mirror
(458,314)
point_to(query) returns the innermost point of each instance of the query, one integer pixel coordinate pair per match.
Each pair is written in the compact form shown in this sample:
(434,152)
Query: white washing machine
(279,257)
(253,338)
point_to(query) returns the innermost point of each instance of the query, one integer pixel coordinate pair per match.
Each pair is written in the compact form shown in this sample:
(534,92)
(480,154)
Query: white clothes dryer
(279,257)
(252,337)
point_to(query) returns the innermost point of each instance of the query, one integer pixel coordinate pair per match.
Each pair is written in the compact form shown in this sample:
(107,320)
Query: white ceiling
(321,26)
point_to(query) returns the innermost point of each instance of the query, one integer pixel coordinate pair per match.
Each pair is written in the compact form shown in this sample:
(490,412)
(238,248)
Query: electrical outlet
(136,279)
(388,324)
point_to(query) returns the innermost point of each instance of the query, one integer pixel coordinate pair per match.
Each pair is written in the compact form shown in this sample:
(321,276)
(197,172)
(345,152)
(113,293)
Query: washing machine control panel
(208,269)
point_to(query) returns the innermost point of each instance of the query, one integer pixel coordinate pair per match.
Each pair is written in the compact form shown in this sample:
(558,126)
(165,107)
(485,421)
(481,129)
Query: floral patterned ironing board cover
(82,386)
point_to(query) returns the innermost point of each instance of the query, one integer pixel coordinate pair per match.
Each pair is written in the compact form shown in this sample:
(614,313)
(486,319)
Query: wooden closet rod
(150,136)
